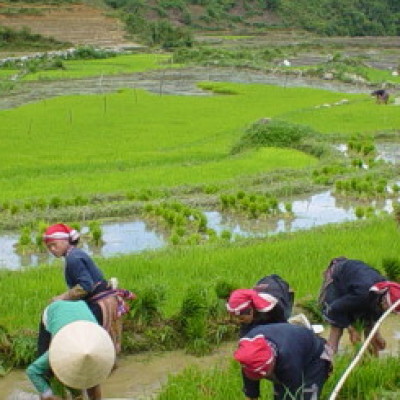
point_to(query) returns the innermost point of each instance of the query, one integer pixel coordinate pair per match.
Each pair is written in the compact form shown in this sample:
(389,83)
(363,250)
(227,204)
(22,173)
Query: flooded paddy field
(141,376)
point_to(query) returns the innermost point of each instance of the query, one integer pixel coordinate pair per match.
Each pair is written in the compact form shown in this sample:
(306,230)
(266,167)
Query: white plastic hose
(342,380)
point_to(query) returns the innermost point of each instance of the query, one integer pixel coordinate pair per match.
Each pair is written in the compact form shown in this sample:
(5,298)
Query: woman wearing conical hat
(81,353)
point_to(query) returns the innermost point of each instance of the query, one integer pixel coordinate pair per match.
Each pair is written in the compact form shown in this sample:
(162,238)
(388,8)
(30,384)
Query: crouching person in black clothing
(346,298)
(297,361)
(269,301)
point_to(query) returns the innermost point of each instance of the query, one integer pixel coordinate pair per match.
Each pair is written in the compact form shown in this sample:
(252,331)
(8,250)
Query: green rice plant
(193,321)
(14,209)
(226,235)
(312,309)
(95,233)
(55,202)
(25,240)
(360,212)
(223,289)
(23,348)
(288,207)
(147,308)
(372,379)
(391,266)
(175,239)
(174,269)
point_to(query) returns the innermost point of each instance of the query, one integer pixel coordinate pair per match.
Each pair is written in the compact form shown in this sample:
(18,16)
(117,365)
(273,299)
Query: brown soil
(78,24)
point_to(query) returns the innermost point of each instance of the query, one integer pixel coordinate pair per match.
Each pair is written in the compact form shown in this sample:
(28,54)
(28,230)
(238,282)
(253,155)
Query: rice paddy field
(130,140)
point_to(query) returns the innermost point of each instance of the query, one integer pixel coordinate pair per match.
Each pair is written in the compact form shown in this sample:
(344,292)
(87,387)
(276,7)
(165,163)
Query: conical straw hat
(82,354)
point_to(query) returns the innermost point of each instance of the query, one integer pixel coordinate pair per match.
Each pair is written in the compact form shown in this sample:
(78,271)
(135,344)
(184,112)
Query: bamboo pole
(342,380)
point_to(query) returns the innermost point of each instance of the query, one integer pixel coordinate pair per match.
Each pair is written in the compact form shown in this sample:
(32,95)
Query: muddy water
(128,237)
(137,377)
(141,376)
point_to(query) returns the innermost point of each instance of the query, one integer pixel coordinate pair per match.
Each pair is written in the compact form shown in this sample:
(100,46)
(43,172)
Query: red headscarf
(392,291)
(60,232)
(242,299)
(256,355)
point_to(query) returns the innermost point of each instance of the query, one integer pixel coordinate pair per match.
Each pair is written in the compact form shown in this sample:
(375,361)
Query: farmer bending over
(353,291)
(296,360)
(382,96)
(270,301)
(81,352)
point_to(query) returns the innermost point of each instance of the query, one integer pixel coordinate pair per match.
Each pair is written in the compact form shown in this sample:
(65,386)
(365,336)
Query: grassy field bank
(299,257)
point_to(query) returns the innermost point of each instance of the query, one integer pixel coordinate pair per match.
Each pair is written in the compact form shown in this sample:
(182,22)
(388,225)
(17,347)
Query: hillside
(79,24)
(169,22)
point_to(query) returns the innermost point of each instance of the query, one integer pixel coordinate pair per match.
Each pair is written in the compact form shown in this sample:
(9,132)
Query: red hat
(392,291)
(60,232)
(242,299)
(256,355)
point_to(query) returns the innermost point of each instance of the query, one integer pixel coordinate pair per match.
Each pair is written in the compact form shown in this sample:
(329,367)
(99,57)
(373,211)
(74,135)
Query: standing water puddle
(135,236)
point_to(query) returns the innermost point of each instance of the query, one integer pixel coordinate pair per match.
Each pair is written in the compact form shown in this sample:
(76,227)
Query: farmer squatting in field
(85,282)
(81,353)
(269,301)
(354,292)
(294,358)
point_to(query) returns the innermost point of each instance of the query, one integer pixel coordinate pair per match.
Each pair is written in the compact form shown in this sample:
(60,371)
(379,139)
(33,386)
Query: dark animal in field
(382,96)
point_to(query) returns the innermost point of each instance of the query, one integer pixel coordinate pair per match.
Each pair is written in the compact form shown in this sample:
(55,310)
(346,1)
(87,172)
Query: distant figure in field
(382,96)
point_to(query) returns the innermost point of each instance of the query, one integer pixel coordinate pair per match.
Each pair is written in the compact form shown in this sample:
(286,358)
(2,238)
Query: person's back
(301,361)
(276,286)
(356,277)
(61,313)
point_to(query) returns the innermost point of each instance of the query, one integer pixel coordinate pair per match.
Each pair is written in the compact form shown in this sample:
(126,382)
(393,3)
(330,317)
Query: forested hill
(327,17)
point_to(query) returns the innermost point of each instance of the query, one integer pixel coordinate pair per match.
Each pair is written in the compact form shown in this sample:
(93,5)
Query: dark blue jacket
(349,298)
(298,362)
(81,270)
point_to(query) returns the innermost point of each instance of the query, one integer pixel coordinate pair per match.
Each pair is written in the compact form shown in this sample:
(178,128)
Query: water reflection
(134,236)
(389,152)
(119,238)
(319,209)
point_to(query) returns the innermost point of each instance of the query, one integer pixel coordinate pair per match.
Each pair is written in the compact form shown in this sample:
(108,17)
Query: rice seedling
(242,262)
(373,379)
(391,266)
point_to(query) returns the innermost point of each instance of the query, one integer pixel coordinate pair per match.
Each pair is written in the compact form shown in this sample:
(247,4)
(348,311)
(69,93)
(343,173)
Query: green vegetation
(359,18)
(185,141)
(275,133)
(23,39)
(242,262)
(375,378)
(253,204)
(81,68)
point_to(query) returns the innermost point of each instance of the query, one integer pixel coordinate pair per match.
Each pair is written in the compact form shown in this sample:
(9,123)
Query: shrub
(271,133)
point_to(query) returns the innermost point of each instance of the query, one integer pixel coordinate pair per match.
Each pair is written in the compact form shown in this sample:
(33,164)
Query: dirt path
(74,23)
(137,377)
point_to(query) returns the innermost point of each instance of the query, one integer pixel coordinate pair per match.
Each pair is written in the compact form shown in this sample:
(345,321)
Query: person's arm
(82,281)
(36,373)
(251,388)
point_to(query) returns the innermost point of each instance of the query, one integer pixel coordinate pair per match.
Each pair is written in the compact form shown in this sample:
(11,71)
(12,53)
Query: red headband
(392,291)
(256,355)
(60,232)
(241,299)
